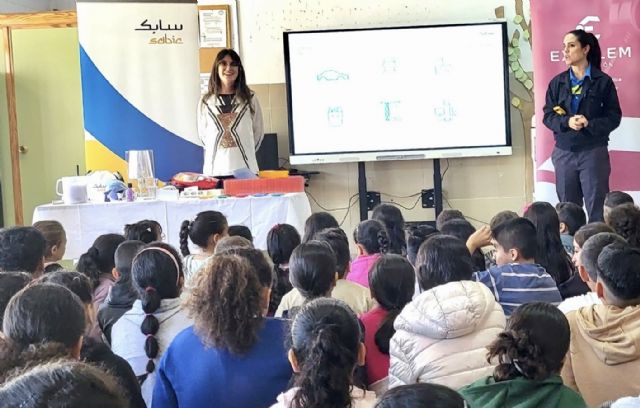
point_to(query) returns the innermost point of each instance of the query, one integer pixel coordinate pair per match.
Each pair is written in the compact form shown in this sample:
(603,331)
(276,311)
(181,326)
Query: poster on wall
(616,23)
(140,83)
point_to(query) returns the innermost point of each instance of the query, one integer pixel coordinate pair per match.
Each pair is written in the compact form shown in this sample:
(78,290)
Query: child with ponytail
(326,348)
(98,263)
(282,239)
(204,231)
(143,333)
(391,282)
(529,362)
(371,240)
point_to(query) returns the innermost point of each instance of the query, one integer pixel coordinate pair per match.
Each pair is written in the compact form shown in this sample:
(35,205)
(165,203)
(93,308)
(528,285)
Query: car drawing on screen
(332,75)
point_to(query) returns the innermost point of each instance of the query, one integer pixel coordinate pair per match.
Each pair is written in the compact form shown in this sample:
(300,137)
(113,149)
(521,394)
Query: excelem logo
(583,24)
(164,38)
(609,54)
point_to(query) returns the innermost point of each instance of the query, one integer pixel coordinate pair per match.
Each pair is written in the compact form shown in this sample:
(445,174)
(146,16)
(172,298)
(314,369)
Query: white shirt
(230,140)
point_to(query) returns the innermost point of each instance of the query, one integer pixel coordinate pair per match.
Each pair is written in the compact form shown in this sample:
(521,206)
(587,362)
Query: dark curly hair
(421,395)
(416,235)
(625,221)
(146,231)
(226,304)
(22,249)
(72,280)
(325,339)
(100,258)
(525,348)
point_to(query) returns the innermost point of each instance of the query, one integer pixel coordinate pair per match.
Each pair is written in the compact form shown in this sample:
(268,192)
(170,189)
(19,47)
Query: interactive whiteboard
(398,93)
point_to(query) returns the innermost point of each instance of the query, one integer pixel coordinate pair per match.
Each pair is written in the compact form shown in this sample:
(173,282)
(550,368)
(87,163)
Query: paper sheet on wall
(213,28)
(204,83)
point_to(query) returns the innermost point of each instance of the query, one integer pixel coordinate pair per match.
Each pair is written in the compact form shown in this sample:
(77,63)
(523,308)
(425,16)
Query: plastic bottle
(129,193)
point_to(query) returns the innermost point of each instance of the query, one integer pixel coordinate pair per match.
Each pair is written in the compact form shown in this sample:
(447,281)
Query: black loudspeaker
(1,209)
(267,154)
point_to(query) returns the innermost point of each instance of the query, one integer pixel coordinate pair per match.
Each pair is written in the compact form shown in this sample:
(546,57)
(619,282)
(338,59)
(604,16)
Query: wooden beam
(50,19)
(13,124)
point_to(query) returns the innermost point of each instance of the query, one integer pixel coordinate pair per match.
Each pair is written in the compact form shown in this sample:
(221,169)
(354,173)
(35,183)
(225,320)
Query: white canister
(74,189)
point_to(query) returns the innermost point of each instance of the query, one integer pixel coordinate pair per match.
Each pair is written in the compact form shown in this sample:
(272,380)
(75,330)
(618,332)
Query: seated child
(625,221)
(371,241)
(614,199)
(204,231)
(23,250)
(572,217)
(146,231)
(356,296)
(391,283)
(421,396)
(518,279)
(442,334)
(603,360)
(56,239)
(586,263)
(312,271)
(241,231)
(326,347)
(529,363)
(282,239)
(122,295)
(316,223)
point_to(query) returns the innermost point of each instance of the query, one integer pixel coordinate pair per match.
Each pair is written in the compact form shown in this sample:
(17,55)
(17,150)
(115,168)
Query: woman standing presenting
(582,109)
(229,119)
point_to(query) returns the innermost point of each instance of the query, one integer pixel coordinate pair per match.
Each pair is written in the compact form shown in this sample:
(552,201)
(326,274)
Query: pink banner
(616,23)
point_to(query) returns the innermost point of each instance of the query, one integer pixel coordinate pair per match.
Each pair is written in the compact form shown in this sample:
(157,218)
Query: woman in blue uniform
(582,109)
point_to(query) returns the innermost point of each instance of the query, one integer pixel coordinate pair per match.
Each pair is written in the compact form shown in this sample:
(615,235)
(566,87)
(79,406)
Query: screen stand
(362,191)
(437,186)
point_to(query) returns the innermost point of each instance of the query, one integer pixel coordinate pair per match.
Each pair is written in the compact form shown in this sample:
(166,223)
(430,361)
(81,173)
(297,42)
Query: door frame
(8,23)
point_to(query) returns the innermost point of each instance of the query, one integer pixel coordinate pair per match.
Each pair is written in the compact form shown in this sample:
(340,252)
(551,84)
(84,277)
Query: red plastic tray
(292,184)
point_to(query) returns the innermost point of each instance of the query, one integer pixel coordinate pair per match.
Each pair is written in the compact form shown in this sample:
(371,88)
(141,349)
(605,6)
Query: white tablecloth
(85,222)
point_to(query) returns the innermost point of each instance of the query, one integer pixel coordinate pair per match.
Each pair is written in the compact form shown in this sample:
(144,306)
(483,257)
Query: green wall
(49,110)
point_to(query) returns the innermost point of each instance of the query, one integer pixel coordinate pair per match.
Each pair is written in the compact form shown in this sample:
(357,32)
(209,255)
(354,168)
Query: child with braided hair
(372,240)
(143,333)
(204,231)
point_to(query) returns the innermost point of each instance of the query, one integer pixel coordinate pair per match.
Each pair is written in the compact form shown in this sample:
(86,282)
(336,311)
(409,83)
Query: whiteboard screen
(367,94)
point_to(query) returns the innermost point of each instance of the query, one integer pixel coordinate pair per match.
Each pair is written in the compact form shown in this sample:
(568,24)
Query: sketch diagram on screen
(335,116)
(441,67)
(445,112)
(332,75)
(389,65)
(391,111)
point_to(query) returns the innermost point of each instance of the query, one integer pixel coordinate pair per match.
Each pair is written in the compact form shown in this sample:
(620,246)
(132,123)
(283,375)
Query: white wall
(479,187)
(262,22)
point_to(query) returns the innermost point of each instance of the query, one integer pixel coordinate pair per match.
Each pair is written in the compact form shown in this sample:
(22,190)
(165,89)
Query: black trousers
(583,176)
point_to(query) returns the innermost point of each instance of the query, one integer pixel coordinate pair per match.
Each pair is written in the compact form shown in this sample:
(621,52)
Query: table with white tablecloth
(85,222)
